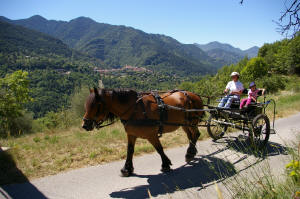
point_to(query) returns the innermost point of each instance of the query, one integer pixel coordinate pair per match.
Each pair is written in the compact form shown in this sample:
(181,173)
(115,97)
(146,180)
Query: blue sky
(188,21)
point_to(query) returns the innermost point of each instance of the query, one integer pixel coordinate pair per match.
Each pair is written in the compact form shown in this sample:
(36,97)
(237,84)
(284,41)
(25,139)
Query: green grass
(265,185)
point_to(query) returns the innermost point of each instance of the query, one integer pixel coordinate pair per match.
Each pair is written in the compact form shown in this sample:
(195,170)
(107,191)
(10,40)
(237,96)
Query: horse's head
(95,110)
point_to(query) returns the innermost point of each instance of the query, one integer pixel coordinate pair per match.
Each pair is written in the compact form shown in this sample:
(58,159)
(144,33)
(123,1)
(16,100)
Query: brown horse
(143,117)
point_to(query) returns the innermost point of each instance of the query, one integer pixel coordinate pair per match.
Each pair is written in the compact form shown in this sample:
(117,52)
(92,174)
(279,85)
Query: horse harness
(163,113)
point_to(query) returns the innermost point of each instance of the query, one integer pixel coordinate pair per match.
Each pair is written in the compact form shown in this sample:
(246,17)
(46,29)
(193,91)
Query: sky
(188,21)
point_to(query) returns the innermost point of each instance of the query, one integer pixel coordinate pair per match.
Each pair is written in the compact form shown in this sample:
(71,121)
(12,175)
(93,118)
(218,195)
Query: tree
(255,69)
(282,56)
(294,47)
(14,93)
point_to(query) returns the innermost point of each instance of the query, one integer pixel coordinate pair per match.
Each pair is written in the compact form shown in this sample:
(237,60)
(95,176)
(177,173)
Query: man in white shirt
(235,89)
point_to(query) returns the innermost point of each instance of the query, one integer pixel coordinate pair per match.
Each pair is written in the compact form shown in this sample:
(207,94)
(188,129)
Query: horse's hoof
(126,172)
(189,158)
(165,169)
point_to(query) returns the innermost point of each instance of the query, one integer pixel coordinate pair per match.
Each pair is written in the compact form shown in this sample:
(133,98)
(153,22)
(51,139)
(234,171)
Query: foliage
(65,117)
(282,56)
(293,170)
(272,83)
(14,89)
(77,102)
(255,69)
(52,89)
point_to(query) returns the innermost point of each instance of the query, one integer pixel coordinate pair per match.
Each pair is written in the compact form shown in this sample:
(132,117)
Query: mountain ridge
(119,45)
(225,46)
(226,52)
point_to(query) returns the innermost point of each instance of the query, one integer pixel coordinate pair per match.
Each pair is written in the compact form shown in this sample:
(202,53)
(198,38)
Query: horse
(146,116)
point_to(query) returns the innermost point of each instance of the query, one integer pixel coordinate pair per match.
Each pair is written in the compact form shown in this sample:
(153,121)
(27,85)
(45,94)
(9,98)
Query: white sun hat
(235,74)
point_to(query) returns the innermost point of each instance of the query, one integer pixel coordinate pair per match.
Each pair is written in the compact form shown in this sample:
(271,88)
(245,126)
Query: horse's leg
(127,170)
(166,162)
(193,135)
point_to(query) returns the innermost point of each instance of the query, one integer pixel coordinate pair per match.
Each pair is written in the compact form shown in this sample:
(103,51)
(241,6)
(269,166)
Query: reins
(99,126)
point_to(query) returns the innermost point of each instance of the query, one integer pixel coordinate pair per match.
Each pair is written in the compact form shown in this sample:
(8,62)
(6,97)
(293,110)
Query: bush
(78,100)
(272,83)
(19,125)
(66,117)
(52,120)
(293,84)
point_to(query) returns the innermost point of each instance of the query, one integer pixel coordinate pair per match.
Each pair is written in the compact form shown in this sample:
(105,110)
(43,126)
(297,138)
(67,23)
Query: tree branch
(289,22)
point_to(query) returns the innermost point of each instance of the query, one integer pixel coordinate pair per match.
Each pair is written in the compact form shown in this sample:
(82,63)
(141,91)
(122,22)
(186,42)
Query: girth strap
(162,110)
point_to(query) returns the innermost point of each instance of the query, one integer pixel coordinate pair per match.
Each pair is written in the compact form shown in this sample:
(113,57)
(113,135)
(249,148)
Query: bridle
(98,124)
(94,123)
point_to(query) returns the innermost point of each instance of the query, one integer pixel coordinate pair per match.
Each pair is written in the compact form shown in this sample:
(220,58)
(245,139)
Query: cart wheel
(260,133)
(215,128)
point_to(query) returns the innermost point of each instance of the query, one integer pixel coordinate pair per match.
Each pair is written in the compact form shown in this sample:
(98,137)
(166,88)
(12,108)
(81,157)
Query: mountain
(227,53)
(118,46)
(252,52)
(16,39)
(54,69)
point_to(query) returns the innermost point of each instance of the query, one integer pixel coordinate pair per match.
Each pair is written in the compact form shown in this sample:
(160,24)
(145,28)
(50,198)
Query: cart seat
(235,104)
(245,91)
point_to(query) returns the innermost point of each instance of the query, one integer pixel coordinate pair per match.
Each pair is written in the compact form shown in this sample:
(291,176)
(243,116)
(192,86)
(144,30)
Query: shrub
(272,83)
(78,100)
(19,125)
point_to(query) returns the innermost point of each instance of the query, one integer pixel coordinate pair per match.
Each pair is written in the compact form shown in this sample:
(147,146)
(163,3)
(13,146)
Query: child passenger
(252,95)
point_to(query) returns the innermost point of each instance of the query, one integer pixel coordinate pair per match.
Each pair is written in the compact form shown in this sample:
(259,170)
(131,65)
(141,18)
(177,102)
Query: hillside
(227,53)
(118,46)
(16,38)
(272,70)
(54,69)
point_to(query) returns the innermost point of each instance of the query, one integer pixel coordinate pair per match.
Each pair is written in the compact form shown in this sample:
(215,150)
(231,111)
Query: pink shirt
(253,94)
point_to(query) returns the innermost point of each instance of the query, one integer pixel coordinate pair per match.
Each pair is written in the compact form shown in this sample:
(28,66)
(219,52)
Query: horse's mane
(123,95)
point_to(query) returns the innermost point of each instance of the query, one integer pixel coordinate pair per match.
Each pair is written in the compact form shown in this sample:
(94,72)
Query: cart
(252,121)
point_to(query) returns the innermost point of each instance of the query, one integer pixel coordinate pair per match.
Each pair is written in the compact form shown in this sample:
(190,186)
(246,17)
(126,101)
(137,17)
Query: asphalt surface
(215,163)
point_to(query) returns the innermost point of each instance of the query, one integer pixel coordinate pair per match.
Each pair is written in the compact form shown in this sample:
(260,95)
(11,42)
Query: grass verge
(265,184)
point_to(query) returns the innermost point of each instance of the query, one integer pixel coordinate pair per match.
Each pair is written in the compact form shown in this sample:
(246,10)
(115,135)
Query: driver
(234,88)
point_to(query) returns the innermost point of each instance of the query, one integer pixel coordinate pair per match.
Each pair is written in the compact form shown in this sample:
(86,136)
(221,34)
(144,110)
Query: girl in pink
(252,95)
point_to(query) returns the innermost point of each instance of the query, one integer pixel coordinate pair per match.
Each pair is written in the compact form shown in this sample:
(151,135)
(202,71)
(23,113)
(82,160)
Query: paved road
(228,158)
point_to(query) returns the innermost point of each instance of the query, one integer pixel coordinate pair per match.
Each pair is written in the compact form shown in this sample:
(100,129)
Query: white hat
(235,74)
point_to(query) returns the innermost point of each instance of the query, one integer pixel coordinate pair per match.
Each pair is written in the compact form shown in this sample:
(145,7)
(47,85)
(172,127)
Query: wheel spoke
(216,128)
(260,130)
